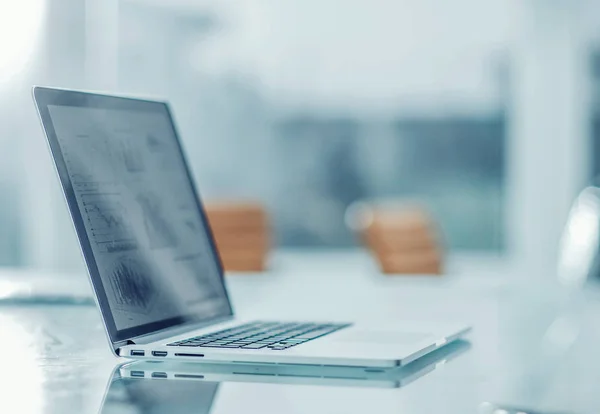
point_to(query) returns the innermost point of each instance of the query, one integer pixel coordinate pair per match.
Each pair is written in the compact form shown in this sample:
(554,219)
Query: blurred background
(486,111)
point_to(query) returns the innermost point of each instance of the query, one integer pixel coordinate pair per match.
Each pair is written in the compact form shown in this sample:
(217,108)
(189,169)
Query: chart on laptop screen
(140,214)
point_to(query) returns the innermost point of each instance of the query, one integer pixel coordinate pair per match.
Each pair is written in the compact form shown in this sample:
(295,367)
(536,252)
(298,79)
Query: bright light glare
(20,23)
(7,289)
(580,241)
(22,383)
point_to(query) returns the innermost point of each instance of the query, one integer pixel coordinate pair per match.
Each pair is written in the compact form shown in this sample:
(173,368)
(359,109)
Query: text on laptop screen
(140,214)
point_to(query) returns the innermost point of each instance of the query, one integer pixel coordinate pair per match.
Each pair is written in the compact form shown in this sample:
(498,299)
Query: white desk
(47,370)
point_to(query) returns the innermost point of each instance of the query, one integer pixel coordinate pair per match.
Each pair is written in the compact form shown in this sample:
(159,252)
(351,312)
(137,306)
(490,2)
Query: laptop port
(137,353)
(137,374)
(159,353)
(194,376)
(159,375)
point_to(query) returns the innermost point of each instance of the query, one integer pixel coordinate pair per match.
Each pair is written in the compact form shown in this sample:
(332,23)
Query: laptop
(152,260)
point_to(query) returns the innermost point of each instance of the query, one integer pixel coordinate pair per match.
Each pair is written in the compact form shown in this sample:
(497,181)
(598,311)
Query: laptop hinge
(119,344)
(170,332)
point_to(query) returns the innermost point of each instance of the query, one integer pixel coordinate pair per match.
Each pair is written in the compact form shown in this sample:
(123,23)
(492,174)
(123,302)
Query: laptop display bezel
(45,97)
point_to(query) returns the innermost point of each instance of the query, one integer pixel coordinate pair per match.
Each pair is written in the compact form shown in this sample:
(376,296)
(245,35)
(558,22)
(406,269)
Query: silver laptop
(151,256)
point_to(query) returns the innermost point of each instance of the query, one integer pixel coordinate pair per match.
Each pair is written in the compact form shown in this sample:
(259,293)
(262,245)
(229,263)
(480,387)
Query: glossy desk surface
(56,358)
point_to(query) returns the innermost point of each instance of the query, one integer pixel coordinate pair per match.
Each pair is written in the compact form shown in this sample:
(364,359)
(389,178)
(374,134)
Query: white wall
(368,54)
(49,239)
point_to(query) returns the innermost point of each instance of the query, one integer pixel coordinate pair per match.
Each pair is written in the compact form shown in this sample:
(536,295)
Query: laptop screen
(137,214)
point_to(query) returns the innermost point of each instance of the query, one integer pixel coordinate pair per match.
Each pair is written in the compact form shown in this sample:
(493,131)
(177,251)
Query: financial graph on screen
(107,223)
(133,159)
(132,285)
(89,160)
(158,227)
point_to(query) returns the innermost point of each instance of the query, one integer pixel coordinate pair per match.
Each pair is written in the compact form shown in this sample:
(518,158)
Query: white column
(79,51)
(49,236)
(101,44)
(548,146)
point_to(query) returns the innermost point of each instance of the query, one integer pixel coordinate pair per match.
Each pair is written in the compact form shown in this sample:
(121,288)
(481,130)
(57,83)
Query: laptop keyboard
(262,335)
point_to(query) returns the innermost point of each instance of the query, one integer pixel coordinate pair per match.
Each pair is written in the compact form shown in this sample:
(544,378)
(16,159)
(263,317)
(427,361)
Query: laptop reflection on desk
(183,387)
(134,395)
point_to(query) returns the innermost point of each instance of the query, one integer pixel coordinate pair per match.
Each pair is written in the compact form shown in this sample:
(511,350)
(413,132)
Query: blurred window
(454,164)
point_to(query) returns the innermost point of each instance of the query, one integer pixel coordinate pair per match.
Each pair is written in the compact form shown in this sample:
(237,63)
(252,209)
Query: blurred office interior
(485,111)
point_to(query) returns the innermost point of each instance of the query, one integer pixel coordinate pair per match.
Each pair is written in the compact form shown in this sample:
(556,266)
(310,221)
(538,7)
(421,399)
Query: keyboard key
(279,344)
(315,334)
(210,345)
(261,337)
(295,332)
(254,346)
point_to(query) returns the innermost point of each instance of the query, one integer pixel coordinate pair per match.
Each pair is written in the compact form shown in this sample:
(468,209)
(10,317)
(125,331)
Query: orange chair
(403,238)
(242,234)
